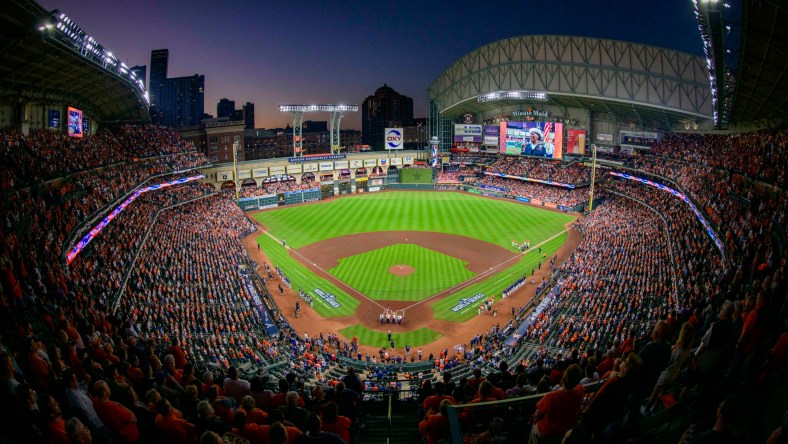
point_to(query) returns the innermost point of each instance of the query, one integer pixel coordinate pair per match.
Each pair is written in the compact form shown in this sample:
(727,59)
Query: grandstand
(134,306)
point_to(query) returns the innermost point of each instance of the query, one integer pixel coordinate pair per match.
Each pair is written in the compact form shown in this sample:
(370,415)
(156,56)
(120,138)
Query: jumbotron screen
(74,122)
(542,139)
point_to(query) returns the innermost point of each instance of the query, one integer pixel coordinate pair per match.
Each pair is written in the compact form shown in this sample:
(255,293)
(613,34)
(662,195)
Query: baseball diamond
(454,245)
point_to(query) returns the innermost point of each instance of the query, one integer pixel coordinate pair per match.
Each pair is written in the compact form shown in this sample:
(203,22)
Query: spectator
(558,411)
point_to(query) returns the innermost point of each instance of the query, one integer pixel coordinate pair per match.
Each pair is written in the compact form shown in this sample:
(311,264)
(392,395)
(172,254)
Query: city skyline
(312,52)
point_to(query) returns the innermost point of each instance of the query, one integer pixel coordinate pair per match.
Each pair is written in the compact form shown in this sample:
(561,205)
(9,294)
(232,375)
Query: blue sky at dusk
(276,52)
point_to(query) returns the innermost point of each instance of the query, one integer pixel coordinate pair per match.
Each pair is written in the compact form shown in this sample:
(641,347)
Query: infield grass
(433,272)
(414,338)
(301,277)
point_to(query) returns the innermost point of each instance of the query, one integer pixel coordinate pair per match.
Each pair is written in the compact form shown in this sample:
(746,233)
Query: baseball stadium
(591,249)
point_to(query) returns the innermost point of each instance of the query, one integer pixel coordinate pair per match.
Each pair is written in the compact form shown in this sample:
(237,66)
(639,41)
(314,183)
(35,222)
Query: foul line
(485,274)
(479,277)
(324,271)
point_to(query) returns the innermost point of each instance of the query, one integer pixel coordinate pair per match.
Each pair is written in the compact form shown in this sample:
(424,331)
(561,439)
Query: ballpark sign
(394,138)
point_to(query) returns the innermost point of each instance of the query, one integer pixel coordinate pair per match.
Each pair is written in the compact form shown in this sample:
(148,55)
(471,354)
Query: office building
(225,108)
(158,73)
(248,115)
(182,101)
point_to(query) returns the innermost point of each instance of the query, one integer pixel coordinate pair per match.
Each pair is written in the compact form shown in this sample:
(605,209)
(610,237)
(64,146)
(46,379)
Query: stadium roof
(647,86)
(762,88)
(41,64)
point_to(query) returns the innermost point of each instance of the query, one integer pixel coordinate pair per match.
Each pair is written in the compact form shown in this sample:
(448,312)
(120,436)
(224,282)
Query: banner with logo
(341,165)
(396,161)
(260,172)
(224,175)
(383,162)
(356,163)
(277,170)
(370,162)
(576,141)
(310,167)
(468,133)
(393,139)
(244,174)
(326,166)
(294,169)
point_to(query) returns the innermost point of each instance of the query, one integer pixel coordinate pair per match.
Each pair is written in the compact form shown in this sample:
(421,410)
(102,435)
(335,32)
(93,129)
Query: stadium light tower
(337,112)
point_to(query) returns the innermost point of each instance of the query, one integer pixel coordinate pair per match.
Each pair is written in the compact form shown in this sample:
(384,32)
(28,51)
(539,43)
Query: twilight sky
(277,52)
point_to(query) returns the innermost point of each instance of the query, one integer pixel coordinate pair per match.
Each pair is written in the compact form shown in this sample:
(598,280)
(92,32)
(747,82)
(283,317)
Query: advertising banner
(396,161)
(602,137)
(54,118)
(393,138)
(260,172)
(356,163)
(326,166)
(224,175)
(637,139)
(491,140)
(542,139)
(341,165)
(576,141)
(370,162)
(294,169)
(277,170)
(310,167)
(383,162)
(468,133)
(408,160)
(244,174)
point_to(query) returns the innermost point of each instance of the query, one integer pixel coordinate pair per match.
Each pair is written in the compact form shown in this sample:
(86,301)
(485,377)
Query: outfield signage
(224,175)
(310,167)
(328,297)
(312,157)
(294,169)
(370,162)
(341,165)
(356,163)
(276,170)
(394,138)
(396,161)
(466,302)
(244,174)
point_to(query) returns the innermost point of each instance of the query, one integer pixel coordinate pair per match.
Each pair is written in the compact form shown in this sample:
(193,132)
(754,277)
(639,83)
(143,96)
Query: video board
(75,122)
(542,139)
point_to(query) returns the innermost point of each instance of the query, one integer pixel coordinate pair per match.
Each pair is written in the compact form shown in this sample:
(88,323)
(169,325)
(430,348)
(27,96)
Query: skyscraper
(385,109)
(182,101)
(225,108)
(249,115)
(158,73)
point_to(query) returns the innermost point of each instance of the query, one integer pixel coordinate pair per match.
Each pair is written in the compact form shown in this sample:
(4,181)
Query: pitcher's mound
(401,270)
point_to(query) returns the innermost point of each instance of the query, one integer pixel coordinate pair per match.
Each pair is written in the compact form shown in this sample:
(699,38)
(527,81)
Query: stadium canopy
(41,62)
(644,85)
(761,92)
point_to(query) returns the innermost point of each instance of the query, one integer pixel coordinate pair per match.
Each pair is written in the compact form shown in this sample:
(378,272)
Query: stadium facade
(602,86)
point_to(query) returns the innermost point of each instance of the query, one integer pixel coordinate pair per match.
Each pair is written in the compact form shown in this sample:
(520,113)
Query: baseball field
(432,255)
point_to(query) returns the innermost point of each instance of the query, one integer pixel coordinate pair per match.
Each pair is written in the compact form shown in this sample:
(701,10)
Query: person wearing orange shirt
(435,426)
(558,411)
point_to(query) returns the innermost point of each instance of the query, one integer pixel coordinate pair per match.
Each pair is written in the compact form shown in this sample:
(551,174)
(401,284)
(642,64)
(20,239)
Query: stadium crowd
(574,173)
(623,297)
(537,191)
(278,187)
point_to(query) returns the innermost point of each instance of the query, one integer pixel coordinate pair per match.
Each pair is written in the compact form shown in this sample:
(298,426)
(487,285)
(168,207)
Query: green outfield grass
(495,284)
(433,272)
(374,338)
(491,220)
(301,277)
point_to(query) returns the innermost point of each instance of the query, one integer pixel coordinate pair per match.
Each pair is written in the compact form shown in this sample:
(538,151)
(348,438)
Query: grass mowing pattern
(415,175)
(433,272)
(379,339)
(495,284)
(495,221)
(301,277)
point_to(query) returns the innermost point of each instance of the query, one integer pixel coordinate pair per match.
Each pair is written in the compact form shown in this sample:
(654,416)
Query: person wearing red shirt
(433,402)
(335,423)
(435,426)
(558,411)
(253,414)
(120,421)
(173,428)
(176,351)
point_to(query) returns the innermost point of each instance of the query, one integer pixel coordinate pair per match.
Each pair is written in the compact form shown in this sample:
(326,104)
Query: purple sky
(277,52)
